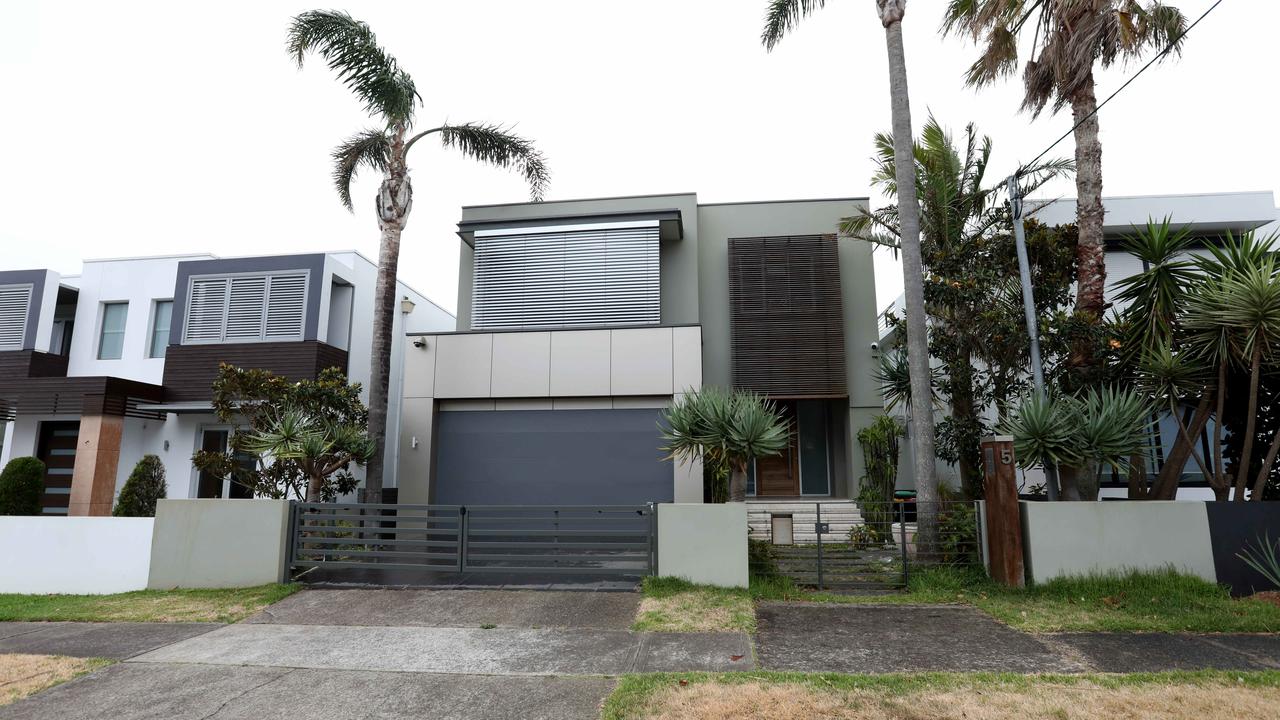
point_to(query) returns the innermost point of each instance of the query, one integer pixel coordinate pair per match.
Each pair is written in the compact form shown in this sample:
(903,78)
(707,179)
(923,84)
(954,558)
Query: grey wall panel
(550,457)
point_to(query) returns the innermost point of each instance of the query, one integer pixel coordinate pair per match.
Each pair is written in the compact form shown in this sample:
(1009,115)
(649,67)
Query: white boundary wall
(704,544)
(218,543)
(76,555)
(1083,538)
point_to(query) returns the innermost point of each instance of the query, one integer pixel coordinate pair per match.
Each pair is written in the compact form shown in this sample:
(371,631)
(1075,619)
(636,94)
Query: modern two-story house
(579,321)
(99,369)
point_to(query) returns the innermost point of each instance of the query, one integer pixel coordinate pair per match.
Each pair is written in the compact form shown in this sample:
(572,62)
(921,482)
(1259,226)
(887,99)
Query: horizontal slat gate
(591,539)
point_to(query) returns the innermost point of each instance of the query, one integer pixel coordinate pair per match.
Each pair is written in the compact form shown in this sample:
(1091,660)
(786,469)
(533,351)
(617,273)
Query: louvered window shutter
(567,279)
(15,303)
(247,308)
(286,307)
(206,310)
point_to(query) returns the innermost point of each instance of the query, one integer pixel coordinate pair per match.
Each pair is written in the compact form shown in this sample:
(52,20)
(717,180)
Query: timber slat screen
(582,539)
(786,316)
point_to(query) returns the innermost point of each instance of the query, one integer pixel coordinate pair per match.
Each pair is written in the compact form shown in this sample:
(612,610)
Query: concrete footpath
(807,637)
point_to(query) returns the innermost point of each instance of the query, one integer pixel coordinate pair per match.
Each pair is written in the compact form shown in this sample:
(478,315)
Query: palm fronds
(782,16)
(493,144)
(352,51)
(368,148)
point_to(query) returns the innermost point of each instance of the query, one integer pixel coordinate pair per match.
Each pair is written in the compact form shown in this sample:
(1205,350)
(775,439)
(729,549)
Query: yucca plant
(1081,435)
(320,448)
(724,426)
(391,99)
(1263,558)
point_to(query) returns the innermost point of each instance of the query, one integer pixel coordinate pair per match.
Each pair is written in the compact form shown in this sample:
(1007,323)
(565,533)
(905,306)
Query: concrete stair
(840,515)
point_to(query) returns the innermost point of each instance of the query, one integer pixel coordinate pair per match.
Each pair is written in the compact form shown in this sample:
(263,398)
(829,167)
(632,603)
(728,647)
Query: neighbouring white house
(1210,216)
(99,369)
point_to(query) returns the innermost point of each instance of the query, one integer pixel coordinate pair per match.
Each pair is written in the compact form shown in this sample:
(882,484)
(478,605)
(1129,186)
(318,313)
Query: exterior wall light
(407,305)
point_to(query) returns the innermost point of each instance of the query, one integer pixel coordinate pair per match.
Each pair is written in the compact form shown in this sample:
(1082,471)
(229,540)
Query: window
(246,308)
(15,302)
(160,317)
(111,341)
(566,278)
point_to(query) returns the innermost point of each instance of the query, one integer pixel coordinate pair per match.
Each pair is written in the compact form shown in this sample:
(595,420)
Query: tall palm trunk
(965,416)
(922,436)
(395,199)
(1091,269)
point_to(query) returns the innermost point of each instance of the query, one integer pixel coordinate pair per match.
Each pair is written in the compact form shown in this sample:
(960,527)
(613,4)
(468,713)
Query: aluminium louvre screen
(566,278)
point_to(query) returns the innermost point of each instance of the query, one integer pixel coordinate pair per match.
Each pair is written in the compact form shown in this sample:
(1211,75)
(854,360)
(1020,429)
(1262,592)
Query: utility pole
(1029,309)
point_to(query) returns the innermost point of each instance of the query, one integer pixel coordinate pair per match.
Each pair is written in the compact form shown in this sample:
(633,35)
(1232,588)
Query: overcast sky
(172,127)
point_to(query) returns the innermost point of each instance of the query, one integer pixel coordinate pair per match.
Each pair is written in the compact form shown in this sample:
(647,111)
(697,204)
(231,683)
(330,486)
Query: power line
(1143,69)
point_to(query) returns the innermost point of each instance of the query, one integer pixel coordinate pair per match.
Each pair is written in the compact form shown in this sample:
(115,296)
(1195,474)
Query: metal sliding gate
(571,539)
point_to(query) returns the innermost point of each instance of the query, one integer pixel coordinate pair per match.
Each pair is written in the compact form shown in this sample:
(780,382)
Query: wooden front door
(779,475)
(57,450)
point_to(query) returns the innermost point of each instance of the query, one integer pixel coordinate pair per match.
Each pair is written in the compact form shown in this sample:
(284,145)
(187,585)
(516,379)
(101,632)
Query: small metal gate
(859,547)
(517,539)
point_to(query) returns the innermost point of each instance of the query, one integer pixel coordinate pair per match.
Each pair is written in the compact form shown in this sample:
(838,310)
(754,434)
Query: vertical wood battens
(786,317)
(566,279)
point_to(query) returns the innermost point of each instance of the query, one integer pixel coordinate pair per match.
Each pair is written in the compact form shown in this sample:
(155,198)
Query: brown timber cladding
(786,316)
(189,370)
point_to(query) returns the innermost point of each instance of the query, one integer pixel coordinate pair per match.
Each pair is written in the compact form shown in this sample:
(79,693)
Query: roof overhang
(78,395)
(670,223)
(178,408)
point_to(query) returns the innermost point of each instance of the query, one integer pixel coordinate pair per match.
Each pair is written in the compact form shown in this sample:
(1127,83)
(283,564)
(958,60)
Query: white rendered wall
(80,555)
(140,282)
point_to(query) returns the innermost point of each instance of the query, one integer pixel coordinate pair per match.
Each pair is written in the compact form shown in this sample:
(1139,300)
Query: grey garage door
(550,457)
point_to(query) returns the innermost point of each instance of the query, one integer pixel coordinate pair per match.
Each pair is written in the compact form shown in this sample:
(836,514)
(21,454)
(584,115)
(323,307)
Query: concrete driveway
(394,654)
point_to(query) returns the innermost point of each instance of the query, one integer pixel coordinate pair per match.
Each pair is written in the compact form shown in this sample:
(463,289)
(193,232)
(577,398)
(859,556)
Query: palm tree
(781,17)
(724,428)
(351,50)
(958,211)
(1068,38)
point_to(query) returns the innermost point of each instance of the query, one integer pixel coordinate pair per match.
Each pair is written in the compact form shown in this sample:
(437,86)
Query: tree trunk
(395,200)
(1251,424)
(1166,485)
(1137,478)
(314,485)
(1091,269)
(1260,484)
(922,436)
(1219,478)
(738,482)
(1069,477)
(964,416)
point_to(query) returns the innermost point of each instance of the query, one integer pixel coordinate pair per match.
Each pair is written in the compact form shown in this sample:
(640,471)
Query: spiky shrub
(21,484)
(144,488)
(880,449)
(1263,559)
(717,426)
(1081,435)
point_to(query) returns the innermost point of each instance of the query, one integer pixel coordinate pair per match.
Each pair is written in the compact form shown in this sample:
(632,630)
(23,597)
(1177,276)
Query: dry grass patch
(1171,696)
(672,605)
(23,675)
(145,606)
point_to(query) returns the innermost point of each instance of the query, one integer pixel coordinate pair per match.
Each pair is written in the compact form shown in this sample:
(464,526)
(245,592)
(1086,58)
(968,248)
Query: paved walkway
(116,641)
(806,637)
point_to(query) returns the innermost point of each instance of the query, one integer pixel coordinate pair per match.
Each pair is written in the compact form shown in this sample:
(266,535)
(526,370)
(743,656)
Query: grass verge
(782,696)
(228,605)
(675,605)
(1135,602)
(25,675)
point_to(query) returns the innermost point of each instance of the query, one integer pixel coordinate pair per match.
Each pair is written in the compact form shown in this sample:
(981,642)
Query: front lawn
(145,605)
(23,675)
(787,696)
(674,605)
(1136,602)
